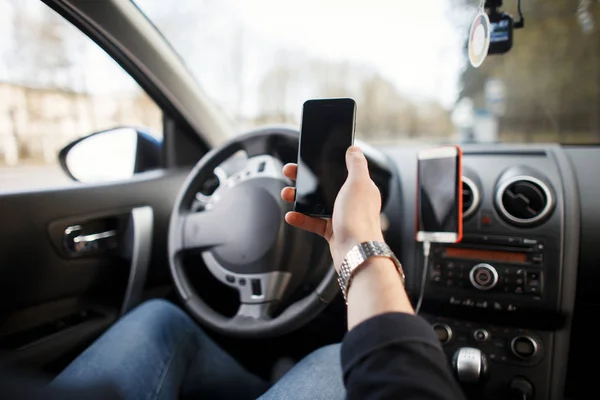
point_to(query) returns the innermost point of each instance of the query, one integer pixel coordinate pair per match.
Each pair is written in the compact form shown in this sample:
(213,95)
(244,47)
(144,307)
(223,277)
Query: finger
(311,224)
(356,163)
(288,194)
(290,171)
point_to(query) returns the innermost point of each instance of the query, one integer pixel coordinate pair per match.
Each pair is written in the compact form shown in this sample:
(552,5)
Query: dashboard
(509,288)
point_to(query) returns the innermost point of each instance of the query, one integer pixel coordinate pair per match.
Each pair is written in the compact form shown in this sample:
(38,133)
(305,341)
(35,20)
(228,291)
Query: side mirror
(111,155)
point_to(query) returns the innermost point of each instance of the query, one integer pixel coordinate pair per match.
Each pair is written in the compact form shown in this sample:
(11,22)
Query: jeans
(157,352)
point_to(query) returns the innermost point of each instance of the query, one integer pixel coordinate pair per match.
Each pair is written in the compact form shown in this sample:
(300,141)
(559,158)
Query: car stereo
(492,272)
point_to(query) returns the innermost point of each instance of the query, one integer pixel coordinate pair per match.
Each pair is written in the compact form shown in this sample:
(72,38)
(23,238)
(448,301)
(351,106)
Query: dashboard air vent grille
(470,197)
(524,200)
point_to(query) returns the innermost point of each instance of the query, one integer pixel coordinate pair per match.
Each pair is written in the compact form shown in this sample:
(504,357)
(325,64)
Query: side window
(56,87)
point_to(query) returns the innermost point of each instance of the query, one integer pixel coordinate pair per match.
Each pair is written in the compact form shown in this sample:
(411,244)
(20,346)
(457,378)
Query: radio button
(481,335)
(519,290)
(534,283)
(533,276)
(454,301)
(534,287)
(483,276)
(468,303)
(519,281)
(537,258)
(443,331)
(481,304)
(515,240)
(533,290)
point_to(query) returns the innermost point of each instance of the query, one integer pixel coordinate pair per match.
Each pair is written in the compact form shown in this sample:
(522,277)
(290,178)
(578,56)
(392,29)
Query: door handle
(75,242)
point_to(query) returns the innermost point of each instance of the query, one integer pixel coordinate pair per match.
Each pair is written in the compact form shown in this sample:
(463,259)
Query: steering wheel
(245,242)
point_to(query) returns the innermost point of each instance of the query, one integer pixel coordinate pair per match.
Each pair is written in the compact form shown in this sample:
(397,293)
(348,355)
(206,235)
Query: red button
(486,220)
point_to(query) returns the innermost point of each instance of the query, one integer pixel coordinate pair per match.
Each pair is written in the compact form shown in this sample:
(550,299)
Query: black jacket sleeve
(396,356)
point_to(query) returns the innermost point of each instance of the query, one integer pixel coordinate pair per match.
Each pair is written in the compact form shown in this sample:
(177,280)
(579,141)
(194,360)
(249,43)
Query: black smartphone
(326,133)
(439,195)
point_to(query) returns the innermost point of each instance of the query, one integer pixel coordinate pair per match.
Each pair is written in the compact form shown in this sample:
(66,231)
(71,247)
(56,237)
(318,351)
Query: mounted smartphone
(439,195)
(326,133)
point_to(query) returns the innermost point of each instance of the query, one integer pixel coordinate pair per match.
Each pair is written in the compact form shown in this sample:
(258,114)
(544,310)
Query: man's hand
(355,213)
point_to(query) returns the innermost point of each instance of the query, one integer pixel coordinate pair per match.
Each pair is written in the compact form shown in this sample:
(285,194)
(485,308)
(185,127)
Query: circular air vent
(470,197)
(524,200)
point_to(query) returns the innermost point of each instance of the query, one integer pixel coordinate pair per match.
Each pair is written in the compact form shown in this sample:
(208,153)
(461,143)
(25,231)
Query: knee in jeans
(158,314)
(330,350)
(160,306)
(329,353)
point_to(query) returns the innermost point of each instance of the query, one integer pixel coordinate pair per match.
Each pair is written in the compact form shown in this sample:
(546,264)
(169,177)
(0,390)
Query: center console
(498,295)
(502,293)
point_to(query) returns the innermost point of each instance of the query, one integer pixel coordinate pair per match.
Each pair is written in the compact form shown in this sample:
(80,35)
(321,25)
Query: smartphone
(439,195)
(326,132)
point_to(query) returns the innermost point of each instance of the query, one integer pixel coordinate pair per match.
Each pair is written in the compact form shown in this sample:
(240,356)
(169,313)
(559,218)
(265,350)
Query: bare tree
(40,54)
(274,90)
(552,74)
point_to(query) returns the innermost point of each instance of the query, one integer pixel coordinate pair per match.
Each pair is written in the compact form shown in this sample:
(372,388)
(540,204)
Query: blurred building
(36,123)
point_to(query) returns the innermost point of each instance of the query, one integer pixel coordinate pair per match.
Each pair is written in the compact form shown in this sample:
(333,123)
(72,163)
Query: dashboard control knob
(521,389)
(483,276)
(481,335)
(443,331)
(524,347)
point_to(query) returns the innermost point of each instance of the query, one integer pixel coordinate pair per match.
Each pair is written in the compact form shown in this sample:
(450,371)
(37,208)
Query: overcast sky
(416,44)
(412,42)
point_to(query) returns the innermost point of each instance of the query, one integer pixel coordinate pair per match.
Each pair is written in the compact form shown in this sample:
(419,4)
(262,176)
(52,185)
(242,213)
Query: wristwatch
(357,256)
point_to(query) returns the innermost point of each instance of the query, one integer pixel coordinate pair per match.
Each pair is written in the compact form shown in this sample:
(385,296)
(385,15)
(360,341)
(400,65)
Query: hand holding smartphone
(439,195)
(326,133)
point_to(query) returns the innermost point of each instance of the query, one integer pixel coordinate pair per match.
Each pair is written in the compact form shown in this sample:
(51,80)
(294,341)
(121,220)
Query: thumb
(356,163)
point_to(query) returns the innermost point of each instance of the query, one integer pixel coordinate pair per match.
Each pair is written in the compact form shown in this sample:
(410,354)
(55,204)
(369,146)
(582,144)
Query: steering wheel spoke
(253,289)
(202,230)
(258,311)
(260,295)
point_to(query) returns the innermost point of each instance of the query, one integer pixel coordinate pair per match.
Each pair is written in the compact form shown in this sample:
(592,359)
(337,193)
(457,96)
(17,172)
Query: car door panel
(54,299)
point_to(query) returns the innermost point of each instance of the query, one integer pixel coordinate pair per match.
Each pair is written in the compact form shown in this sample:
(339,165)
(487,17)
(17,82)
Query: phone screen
(439,195)
(327,132)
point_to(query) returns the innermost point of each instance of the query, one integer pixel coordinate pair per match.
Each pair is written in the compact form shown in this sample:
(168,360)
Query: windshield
(404,62)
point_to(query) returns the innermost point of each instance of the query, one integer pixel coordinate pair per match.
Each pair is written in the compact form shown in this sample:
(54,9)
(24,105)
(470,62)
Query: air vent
(524,200)
(470,197)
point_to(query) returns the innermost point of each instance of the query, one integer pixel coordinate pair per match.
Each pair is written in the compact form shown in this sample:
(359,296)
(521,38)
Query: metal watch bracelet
(357,256)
